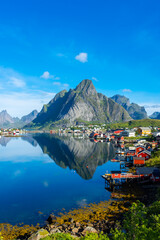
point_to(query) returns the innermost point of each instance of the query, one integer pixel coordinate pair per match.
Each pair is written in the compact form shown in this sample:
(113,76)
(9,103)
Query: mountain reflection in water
(81,155)
(47,173)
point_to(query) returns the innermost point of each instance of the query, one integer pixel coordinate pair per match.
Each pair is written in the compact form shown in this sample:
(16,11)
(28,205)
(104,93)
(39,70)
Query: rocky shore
(96,219)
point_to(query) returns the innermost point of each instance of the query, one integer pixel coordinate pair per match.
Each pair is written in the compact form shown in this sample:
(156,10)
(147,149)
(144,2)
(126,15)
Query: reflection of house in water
(81,155)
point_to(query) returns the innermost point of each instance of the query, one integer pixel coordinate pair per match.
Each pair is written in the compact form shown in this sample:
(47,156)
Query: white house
(127,133)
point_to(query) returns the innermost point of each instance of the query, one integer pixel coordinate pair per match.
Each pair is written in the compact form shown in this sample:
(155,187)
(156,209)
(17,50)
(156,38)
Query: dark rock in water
(51,219)
(135,111)
(82,103)
(70,220)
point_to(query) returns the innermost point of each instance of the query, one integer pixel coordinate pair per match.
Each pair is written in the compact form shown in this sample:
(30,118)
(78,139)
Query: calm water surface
(43,173)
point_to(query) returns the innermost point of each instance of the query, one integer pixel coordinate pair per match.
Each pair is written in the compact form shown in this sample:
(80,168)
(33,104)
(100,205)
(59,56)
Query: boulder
(39,234)
(89,230)
(54,230)
(75,230)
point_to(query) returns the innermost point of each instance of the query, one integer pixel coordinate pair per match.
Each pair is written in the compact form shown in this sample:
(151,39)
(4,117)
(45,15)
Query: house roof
(146,170)
(145,128)
(115,172)
(138,158)
(145,151)
(156,173)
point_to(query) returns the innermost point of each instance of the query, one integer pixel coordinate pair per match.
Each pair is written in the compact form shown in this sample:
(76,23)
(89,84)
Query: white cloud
(61,85)
(46,75)
(94,79)
(56,78)
(20,104)
(151,107)
(19,83)
(10,78)
(126,90)
(82,57)
(57,83)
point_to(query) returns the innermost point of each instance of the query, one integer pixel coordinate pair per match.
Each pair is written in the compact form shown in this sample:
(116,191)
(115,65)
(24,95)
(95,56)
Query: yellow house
(144,131)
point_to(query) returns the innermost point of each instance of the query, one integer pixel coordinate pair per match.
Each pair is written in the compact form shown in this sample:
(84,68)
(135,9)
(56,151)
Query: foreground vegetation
(140,223)
(154,161)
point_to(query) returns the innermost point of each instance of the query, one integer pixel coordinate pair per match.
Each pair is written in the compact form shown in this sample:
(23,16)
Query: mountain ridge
(84,103)
(134,110)
(6,121)
(155,115)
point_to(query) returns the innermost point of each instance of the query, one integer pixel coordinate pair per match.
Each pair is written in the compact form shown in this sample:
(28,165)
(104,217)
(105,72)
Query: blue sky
(47,46)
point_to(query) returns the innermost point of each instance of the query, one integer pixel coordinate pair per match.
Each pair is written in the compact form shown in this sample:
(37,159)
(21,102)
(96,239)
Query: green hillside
(135,123)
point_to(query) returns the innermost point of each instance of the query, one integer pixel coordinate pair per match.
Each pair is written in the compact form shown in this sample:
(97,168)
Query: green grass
(135,123)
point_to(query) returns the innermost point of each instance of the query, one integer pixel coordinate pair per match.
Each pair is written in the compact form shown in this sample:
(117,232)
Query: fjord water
(43,173)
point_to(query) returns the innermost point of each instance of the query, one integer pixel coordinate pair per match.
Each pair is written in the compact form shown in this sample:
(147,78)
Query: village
(11,132)
(136,157)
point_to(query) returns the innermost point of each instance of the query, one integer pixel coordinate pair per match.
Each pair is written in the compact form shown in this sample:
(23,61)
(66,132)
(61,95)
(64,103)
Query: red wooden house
(139,149)
(146,154)
(118,131)
(131,153)
(115,174)
(155,177)
(138,161)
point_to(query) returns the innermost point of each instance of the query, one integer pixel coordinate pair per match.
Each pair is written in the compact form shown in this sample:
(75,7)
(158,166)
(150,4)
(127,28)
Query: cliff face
(82,103)
(82,156)
(30,117)
(5,118)
(134,110)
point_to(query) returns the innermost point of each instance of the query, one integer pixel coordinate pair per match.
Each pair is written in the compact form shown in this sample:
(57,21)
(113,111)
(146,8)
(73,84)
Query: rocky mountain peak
(30,117)
(122,100)
(87,87)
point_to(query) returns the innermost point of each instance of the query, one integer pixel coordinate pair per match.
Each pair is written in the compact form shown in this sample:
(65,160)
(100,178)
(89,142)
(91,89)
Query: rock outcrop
(134,110)
(30,117)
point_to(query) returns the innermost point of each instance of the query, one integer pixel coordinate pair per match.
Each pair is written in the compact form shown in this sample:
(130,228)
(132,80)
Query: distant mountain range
(155,115)
(84,103)
(7,121)
(135,111)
